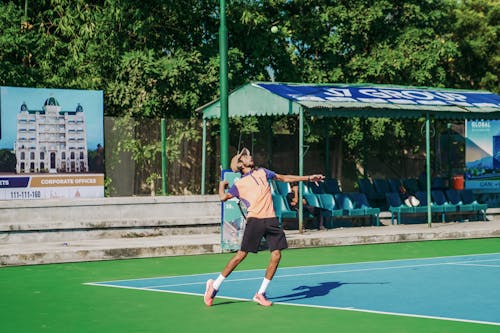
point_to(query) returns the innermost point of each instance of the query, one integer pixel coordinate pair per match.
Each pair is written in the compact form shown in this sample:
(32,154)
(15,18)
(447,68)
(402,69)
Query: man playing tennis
(254,190)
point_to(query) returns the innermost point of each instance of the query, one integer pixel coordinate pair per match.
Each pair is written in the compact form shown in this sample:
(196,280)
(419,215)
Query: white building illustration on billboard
(51,140)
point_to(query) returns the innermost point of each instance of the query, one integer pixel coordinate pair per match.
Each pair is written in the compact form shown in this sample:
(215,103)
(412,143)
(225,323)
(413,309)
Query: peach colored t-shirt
(254,190)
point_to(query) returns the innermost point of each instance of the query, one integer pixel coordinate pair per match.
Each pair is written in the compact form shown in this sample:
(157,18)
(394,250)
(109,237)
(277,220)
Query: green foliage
(475,30)
(159,58)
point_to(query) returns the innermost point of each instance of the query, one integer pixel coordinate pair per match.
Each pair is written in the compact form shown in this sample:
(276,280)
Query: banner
(383,95)
(51,143)
(233,222)
(51,187)
(482,155)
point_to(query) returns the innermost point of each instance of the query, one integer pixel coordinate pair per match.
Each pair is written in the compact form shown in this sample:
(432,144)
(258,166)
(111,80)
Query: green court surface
(54,298)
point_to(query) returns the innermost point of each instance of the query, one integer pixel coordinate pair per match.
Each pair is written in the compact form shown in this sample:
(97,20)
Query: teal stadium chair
(330,206)
(281,209)
(312,199)
(283,188)
(350,208)
(273,186)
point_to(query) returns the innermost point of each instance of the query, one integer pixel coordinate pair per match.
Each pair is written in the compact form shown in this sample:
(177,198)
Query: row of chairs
(449,205)
(334,205)
(375,191)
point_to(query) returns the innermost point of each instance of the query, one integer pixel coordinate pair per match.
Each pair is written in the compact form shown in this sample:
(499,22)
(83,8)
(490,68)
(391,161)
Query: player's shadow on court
(324,288)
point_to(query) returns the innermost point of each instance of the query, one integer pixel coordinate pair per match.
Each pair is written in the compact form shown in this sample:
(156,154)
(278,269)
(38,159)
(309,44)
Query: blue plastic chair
(394,185)
(423,207)
(317,188)
(411,185)
(455,198)
(397,207)
(439,198)
(362,207)
(381,185)
(331,186)
(366,187)
(468,199)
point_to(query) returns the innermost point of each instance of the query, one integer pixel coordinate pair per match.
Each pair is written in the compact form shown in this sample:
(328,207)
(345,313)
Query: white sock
(263,286)
(218,281)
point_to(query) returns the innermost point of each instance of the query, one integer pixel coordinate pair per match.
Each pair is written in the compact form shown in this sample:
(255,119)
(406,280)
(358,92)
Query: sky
(11,99)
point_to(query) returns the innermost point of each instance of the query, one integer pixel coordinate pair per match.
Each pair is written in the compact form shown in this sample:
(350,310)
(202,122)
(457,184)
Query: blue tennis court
(460,288)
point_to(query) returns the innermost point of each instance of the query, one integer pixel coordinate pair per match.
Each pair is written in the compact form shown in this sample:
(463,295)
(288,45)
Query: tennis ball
(274,29)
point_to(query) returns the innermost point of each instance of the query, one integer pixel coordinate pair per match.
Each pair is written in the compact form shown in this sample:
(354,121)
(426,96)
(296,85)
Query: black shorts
(269,228)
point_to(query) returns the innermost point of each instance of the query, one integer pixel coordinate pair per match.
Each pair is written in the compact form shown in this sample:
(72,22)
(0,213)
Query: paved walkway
(173,245)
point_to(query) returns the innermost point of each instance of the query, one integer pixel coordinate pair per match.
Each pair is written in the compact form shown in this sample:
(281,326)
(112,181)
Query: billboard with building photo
(51,143)
(482,155)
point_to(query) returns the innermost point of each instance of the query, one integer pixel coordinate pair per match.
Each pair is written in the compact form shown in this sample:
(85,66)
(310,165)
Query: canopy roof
(356,100)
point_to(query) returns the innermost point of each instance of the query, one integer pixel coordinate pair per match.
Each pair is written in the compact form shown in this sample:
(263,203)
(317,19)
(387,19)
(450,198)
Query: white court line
(278,276)
(464,263)
(324,265)
(475,265)
(400,314)
(308,305)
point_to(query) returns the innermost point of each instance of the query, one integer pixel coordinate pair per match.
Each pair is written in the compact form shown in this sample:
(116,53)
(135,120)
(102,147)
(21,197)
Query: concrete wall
(118,212)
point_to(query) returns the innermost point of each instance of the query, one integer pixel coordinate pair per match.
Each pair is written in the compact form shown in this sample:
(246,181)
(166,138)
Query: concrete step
(67,235)
(54,231)
(109,209)
(192,244)
(107,249)
(131,217)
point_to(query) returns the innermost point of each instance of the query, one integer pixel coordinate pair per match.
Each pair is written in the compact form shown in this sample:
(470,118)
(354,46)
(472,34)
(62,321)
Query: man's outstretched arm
(294,178)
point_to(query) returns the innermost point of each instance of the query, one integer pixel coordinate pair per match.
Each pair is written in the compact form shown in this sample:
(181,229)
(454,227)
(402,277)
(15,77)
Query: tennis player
(254,190)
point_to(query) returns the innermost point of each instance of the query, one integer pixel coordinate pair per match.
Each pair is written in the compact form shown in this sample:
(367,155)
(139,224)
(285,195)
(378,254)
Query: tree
(475,30)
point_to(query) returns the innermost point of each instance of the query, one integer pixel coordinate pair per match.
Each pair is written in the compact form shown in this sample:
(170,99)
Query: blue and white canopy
(357,100)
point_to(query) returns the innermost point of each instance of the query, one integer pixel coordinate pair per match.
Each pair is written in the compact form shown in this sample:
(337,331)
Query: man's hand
(222,187)
(316,178)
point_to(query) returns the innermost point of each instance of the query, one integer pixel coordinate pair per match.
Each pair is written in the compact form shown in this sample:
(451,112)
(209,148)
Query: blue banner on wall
(482,155)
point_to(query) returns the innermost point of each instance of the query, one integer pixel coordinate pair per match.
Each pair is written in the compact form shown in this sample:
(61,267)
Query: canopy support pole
(163,156)
(327,151)
(269,124)
(203,156)
(301,167)
(428,167)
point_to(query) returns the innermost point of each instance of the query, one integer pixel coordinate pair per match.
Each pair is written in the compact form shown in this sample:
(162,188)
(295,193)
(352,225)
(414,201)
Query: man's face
(246,160)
